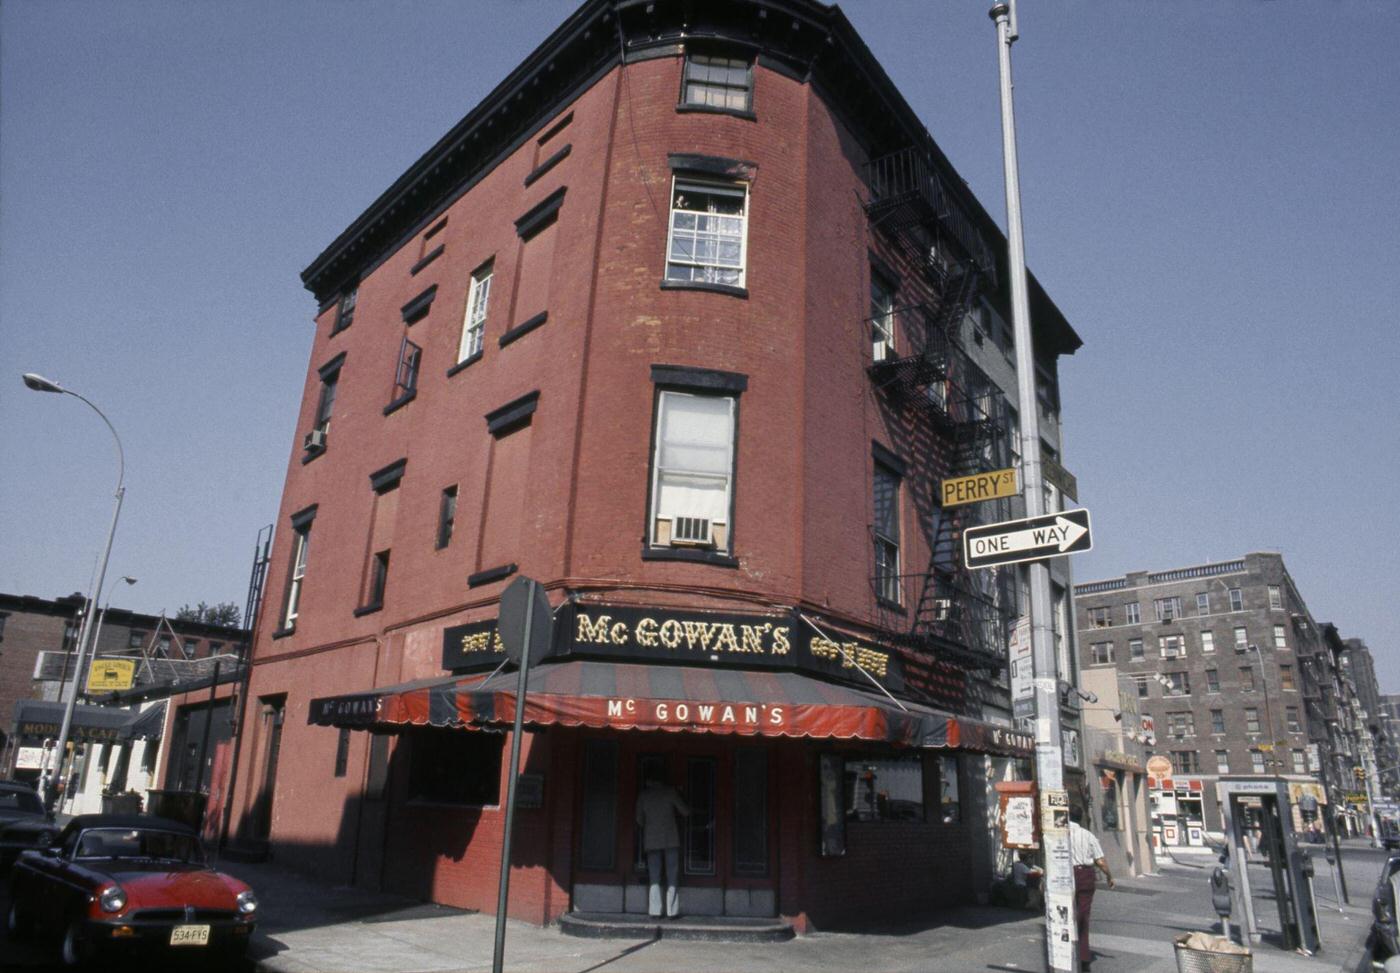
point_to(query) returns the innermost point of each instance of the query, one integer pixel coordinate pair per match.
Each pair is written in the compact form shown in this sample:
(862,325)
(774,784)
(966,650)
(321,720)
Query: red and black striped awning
(615,695)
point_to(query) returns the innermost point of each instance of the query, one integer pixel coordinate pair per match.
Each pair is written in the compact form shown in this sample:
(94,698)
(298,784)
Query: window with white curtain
(708,232)
(692,470)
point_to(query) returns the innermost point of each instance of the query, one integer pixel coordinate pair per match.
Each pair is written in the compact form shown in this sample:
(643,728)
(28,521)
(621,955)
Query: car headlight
(112,899)
(247,902)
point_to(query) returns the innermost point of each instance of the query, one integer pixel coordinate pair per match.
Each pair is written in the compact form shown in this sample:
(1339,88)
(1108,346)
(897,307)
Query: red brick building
(674,323)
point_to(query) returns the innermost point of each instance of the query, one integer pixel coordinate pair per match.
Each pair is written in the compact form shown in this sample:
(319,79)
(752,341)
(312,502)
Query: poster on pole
(1059,929)
(1022,670)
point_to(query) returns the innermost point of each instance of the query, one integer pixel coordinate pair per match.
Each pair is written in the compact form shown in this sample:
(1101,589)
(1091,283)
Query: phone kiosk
(1258,807)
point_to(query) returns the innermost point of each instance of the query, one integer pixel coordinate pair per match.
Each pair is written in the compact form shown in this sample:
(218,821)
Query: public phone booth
(1256,813)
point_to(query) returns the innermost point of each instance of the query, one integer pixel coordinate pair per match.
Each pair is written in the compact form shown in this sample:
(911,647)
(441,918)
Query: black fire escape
(919,364)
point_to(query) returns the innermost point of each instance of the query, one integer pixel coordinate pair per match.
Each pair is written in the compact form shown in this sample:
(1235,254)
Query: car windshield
(139,843)
(24,802)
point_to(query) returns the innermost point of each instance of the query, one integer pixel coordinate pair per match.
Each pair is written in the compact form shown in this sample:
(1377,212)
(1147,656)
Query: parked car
(1384,941)
(23,821)
(129,883)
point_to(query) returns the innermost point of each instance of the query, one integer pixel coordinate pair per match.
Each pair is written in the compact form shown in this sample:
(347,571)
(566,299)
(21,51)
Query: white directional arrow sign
(1031,539)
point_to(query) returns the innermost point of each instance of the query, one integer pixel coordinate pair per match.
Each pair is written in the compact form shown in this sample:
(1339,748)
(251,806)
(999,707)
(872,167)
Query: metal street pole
(102,617)
(1268,711)
(40,384)
(1060,929)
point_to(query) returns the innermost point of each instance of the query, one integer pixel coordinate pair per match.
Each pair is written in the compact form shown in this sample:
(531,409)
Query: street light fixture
(39,383)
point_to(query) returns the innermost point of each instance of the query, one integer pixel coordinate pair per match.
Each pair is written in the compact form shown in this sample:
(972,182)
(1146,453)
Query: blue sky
(1209,189)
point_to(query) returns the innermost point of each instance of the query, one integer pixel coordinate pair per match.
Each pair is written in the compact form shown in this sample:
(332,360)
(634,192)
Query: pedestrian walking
(1086,854)
(658,806)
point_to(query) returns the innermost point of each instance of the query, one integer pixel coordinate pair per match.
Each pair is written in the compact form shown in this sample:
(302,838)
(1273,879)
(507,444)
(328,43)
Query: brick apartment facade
(676,322)
(1221,657)
(30,625)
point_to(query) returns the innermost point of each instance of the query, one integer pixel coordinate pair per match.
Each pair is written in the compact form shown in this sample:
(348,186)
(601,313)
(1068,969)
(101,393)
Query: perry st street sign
(1030,539)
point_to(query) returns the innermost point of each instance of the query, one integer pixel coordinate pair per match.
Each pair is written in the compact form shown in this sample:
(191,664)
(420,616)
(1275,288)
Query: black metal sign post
(524,627)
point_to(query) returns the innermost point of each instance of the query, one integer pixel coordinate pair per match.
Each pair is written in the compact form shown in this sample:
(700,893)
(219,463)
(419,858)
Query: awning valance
(611,695)
(38,719)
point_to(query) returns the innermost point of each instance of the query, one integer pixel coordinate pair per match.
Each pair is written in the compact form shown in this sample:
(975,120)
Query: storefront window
(700,824)
(750,812)
(455,767)
(950,803)
(884,788)
(1110,803)
(598,833)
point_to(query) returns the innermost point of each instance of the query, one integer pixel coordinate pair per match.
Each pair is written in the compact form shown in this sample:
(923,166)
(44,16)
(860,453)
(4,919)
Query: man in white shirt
(1086,854)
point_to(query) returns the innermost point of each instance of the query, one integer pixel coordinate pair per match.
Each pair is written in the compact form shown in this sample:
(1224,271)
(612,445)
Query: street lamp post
(40,384)
(97,633)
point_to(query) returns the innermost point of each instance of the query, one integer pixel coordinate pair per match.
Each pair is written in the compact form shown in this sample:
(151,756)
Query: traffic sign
(1029,539)
(525,597)
(979,487)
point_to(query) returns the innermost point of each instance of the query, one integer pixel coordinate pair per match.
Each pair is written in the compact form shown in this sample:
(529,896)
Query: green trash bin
(187,807)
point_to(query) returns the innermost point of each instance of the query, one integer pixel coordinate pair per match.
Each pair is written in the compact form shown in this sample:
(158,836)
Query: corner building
(674,322)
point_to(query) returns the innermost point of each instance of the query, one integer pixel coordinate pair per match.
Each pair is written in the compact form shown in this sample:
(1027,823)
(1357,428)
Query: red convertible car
(113,882)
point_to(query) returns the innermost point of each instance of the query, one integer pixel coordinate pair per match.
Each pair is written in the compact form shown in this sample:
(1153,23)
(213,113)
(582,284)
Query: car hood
(163,885)
(28,825)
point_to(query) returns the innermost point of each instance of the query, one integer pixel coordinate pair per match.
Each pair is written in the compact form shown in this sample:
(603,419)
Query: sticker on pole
(1029,539)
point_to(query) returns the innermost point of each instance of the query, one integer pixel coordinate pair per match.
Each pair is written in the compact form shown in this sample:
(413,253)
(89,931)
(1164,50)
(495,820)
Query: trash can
(128,803)
(1202,952)
(187,807)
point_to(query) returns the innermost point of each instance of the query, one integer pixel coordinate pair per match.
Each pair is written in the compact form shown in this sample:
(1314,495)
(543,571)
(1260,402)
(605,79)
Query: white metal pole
(1061,938)
(41,384)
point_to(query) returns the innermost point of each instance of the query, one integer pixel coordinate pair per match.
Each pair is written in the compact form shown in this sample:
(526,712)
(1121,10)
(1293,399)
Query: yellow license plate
(189,936)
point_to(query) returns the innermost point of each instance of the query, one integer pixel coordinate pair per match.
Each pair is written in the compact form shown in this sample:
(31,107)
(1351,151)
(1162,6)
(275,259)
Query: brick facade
(562,495)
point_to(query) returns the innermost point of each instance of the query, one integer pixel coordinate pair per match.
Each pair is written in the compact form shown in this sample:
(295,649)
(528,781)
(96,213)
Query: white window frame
(1133,613)
(1222,761)
(298,576)
(1236,600)
(882,340)
(1280,636)
(1251,719)
(1101,653)
(1141,649)
(657,472)
(1212,685)
(1275,597)
(1241,639)
(712,270)
(1200,608)
(474,316)
(1256,762)
(1164,641)
(1207,642)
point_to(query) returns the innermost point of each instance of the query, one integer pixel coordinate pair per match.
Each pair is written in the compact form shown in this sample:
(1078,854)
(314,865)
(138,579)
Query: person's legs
(1083,901)
(673,895)
(654,860)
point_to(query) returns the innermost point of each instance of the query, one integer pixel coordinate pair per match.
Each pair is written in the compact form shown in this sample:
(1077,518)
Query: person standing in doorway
(1086,854)
(658,807)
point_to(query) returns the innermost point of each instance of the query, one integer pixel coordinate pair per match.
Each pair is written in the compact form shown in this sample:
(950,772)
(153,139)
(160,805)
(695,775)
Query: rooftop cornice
(805,39)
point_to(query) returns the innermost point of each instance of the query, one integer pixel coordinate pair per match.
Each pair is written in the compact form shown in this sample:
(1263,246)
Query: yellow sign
(979,487)
(108,674)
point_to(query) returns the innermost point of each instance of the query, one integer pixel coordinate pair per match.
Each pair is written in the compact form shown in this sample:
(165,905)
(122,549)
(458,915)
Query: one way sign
(1031,539)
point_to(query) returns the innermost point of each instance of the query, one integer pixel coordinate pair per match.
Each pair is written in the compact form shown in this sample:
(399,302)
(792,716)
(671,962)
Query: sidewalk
(308,926)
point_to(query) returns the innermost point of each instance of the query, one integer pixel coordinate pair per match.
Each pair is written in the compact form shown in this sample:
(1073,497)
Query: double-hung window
(1202,603)
(692,470)
(1207,642)
(1172,646)
(474,321)
(1100,617)
(1132,612)
(1167,608)
(1275,597)
(881,317)
(886,534)
(1236,600)
(345,311)
(301,537)
(708,232)
(325,404)
(406,374)
(725,83)
(1102,653)
(1280,637)
(1135,649)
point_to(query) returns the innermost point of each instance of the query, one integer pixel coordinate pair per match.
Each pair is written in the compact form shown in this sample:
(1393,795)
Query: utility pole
(1060,932)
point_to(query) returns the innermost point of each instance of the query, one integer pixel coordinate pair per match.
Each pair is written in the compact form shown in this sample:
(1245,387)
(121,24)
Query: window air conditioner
(316,439)
(694,531)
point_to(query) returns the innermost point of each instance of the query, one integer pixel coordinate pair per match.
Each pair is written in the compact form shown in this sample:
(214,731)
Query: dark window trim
(364,610)
(687,109)
(469,360)
(887,274)
(435,229)
(310,454)
(491,574)
(426,259)
(893,606)
(524,328)
(343,321)
(722,49)
(303,517)
(388,477)
(331,367)
(779,66)
(888,459)
(717,558)
(689,378)
(541,214)
(417,309)
(400,402)
(513,414)
(282,633)
(555,129)
(698,285)
(446,527)
(549,163)
(714,166)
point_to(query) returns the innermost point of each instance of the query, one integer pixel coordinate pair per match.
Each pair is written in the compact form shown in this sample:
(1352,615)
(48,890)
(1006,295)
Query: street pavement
(307,926)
